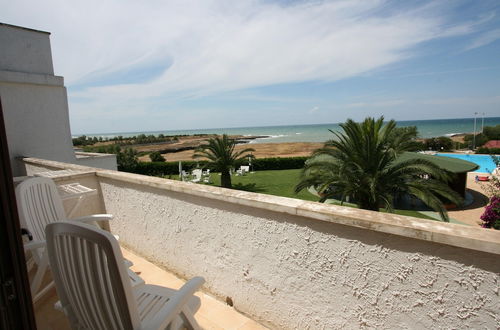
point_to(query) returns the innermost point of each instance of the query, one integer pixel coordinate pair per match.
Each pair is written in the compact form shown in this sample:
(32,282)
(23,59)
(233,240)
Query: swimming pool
(486,164)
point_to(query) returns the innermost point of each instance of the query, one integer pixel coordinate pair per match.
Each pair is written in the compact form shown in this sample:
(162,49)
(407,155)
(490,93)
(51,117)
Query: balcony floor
(213,314)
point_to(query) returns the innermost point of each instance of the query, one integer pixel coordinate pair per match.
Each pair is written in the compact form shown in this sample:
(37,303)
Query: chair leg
(42,292)
(188,318)
(42,267)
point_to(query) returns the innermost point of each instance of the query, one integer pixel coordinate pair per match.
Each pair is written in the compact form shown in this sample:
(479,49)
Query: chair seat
(151,298)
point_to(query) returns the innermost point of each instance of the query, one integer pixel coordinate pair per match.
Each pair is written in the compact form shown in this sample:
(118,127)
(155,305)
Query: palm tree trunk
(225,179)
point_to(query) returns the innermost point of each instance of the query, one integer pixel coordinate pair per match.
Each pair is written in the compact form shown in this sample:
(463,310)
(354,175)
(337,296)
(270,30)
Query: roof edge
(23,28)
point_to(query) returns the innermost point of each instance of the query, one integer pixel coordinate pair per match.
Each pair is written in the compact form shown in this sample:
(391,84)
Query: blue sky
(160,65)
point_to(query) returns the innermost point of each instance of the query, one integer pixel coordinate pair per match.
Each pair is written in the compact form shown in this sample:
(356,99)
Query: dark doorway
(16,309)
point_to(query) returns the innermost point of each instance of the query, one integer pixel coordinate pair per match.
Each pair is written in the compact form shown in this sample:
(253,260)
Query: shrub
(278,163)
(165,168)
(439,143)
(491,215)
(492,132)
(480,139)
(491,151)
(172,168)
(156,157)
(127,160)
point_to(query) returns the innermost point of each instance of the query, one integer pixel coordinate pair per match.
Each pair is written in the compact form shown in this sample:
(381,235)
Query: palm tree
(220,152)
(362,164)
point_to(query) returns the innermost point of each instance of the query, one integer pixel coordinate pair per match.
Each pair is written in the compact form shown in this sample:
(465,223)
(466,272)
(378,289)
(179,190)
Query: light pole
(250,162)
(474,137)
(482,124)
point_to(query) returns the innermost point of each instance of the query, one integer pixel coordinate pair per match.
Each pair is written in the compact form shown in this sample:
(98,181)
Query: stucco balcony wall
(297,265)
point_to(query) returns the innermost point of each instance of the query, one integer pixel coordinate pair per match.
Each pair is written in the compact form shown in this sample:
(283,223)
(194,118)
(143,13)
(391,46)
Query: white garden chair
(245,169)
(39,204)
(95,293)
(196,174)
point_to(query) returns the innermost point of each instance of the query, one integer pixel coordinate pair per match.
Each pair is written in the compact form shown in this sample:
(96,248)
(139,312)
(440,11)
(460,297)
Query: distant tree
(127,160)
(361,163)
(405,138)
(492,132)
(220,152)
(156,157)
(441,143)
(481,139)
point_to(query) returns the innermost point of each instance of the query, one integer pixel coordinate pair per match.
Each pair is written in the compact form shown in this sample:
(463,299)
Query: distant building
(35,102)
(492,144)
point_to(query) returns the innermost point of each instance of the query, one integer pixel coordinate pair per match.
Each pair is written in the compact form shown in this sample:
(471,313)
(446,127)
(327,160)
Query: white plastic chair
(196,174)
(39,204)
(245,169)
(92,284)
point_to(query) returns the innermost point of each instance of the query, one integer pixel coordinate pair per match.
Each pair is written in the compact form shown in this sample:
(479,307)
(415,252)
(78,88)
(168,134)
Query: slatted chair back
(91,278)
(39,204)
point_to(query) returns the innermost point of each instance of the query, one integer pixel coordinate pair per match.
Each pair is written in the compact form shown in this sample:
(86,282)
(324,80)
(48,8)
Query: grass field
(282,183)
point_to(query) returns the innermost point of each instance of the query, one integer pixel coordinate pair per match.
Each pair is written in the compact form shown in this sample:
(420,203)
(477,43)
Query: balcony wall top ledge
(484,240)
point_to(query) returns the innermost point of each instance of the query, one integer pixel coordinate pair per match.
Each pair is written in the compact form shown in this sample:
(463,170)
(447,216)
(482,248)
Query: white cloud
(216,46)
(313,110)
(484,39)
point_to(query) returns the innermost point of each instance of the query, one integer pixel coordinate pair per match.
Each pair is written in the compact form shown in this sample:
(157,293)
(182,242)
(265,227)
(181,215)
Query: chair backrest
(39,204)
(91,278)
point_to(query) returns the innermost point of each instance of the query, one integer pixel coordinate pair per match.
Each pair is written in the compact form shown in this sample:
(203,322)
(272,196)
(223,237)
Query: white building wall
(34,101)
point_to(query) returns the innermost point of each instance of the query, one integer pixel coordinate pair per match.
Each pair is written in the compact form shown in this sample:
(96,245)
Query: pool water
(485,162)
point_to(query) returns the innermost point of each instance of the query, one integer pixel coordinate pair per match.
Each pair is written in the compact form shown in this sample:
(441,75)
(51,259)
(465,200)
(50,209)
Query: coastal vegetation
(221,154)
(122,141)
(361,164)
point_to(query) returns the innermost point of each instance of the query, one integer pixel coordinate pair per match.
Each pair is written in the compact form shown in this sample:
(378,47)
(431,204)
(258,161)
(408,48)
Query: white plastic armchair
(39,204)
(92,284)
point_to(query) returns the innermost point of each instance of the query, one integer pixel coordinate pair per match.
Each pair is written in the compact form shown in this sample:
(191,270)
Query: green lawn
(282,183)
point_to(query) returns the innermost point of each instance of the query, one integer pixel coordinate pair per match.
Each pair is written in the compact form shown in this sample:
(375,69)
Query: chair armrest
(175,304)
(94,217)
(32,245)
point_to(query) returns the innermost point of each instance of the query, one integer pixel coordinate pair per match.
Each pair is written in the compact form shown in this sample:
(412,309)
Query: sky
(132,66)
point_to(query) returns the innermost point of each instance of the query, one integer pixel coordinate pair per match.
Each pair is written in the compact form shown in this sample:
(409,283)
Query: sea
(321,132)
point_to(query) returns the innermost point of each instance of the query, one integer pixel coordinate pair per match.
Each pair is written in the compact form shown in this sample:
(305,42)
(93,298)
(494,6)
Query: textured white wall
(301,273)
(25,50)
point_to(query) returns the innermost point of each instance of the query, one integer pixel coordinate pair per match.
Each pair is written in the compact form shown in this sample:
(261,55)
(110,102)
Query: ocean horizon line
(479,119)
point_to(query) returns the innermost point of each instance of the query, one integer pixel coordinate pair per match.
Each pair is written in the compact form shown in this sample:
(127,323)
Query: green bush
(480,139)
(278,163)
(166,168)
(172,168)
(127,160)
(491,151)
(156,157)
(492,132)
(439,143)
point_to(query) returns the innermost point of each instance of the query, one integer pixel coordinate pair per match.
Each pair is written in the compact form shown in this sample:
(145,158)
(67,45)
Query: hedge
(278,163)
(491,151)
(165,168)
(260,164)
